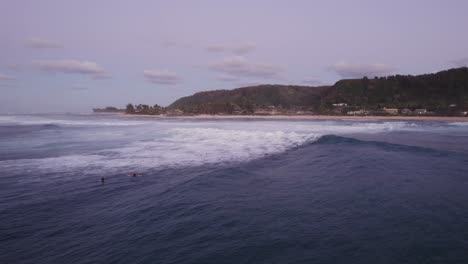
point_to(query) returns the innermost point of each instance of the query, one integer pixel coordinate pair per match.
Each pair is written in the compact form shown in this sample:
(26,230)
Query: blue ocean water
(231,191)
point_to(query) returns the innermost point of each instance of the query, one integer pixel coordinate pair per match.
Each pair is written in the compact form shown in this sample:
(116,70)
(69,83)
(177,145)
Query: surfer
(102,180)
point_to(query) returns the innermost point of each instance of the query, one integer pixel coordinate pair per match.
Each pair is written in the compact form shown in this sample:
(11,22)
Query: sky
(71,56)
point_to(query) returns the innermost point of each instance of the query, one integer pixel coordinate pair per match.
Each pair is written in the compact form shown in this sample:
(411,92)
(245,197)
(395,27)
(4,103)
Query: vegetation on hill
(249,99)
(442,93)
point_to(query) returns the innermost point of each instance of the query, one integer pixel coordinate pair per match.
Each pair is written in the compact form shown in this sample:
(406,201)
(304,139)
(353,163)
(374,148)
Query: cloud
(239,67)
(161,77)
(38,43)
(102,76)
(4,77)
(238,49)
(72,67)
(168,43)
(243,49)
(78,88)
(349,70)
(8,85)
(461,62)
(216,48)
(16,67)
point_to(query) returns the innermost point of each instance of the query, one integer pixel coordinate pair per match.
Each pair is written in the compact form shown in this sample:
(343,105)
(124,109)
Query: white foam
(6,119)
(459,124)
(37,120)
(160,144)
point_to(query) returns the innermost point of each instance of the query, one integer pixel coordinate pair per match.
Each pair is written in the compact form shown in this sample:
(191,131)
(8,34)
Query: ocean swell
(161,144)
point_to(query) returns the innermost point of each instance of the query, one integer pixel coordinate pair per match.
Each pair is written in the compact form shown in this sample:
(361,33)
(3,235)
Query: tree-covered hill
(437,92)
(247,99)
(442,93)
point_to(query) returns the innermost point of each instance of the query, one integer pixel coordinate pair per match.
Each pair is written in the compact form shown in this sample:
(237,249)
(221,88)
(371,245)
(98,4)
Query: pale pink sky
(59,56)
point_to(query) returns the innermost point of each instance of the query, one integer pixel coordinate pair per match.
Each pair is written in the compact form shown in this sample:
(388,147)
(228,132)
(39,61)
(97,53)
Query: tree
(139,108)
(130,109)
(365,83)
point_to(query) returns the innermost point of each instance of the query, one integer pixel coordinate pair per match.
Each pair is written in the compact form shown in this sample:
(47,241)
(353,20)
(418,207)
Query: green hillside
(247,99)
(436,92)
(442,93)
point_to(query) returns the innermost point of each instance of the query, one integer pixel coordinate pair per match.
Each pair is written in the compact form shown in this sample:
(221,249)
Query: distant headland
(108,109)
(439,94)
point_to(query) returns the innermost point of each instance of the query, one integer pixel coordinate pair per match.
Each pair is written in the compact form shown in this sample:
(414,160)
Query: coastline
(305,117)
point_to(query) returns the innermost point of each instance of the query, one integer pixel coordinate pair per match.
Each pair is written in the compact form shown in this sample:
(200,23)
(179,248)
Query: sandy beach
(309,117)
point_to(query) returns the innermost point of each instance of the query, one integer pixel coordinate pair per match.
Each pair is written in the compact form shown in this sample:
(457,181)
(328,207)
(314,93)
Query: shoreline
(306,117)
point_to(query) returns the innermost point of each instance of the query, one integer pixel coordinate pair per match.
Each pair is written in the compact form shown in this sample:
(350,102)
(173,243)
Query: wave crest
(157,144)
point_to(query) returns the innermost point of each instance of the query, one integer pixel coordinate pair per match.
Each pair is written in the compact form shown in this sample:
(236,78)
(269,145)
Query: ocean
(231,191)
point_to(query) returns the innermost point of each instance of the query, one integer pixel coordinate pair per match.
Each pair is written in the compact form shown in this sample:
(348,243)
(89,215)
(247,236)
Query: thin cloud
(168,43)
(4,77)
(461,62)
(72,67)
(243,49)
(216,48)
(78,88)
(161,77)
(239,67)
(102,76)
(37,43)
(16,67)
(238,49)
(8,85)
(349,70)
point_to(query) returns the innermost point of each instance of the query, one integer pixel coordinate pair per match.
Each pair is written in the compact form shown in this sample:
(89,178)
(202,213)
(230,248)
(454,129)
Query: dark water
(395,195)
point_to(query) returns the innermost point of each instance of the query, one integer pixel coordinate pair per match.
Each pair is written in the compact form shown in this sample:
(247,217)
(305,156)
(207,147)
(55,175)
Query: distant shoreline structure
(442,94)
(304,117)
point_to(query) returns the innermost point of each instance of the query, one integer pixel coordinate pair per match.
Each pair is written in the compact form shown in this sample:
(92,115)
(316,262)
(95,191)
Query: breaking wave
(157,145)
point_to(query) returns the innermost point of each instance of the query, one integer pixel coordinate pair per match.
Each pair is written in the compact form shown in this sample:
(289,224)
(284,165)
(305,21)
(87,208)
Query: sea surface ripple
(231,191)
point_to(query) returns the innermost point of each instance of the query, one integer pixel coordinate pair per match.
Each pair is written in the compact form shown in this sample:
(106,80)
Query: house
(392,111)
(406,111)
(421,111)
(359,112)
(174,112)
(237,110)
(305,112)
(340,105)
(265,111)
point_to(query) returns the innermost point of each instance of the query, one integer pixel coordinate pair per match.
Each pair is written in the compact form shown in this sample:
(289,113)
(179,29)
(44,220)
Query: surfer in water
(134,174)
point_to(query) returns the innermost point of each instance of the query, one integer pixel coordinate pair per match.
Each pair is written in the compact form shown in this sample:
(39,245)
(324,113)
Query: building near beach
(358,112)
(175,112)
(422,111)
(406,111)
(392,111)
(340,105)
